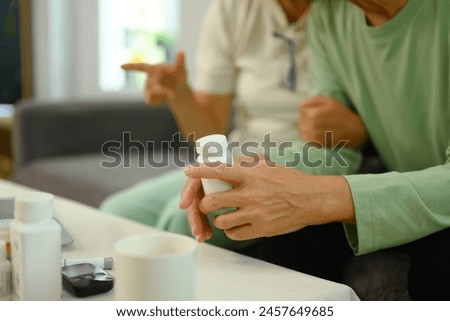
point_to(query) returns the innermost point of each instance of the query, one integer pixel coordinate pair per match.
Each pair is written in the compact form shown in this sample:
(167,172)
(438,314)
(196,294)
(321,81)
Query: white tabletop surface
(222,275)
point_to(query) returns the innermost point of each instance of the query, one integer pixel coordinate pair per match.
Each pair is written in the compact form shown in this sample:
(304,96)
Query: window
(79,45)
(134,31)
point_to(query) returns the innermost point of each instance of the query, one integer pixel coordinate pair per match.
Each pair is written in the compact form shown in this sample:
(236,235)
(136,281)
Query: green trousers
(155,202)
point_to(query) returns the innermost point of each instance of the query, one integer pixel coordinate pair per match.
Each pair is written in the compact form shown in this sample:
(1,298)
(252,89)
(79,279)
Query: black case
(86,279)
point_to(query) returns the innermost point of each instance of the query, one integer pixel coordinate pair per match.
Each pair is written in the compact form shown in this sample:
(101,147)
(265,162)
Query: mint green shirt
(397,77)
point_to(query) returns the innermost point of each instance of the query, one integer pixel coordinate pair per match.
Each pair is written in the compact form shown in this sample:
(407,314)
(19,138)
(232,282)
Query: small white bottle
(5,274)
(211,149)
(36,249)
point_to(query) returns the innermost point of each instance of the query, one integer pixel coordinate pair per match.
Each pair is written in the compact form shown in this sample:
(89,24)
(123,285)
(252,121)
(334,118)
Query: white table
(222,275)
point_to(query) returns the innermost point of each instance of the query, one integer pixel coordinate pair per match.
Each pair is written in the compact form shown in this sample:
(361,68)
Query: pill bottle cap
(5,228)
(212,145)
(34,207)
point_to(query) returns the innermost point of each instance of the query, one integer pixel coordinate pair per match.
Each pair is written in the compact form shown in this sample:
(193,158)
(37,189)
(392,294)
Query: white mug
(155,267)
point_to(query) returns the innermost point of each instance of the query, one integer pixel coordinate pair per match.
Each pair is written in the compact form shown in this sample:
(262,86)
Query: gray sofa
(58,149)
(58,146)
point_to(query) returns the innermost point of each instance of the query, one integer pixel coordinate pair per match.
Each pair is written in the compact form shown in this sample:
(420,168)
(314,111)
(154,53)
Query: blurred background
(77,46)
(73,49)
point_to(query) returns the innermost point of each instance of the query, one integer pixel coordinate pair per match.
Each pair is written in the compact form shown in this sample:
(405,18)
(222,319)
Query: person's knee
(178,224)
(131,208)
(115,204)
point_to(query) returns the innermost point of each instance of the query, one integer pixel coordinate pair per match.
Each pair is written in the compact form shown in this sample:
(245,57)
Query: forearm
(195,115)
(331,200)
(397,208)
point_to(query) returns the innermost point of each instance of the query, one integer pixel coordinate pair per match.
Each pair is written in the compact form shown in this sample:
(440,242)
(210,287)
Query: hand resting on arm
(320,114)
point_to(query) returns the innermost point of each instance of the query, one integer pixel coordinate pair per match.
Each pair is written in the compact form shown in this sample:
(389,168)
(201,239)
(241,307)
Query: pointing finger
(138,67)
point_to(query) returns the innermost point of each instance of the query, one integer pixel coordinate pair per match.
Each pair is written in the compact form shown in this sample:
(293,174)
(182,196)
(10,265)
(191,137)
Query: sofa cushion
(84,179)
(379,276)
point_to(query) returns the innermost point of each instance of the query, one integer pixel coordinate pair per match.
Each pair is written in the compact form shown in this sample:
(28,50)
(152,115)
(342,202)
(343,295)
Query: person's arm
(215,77)
(392,208)
(322,114)
(389,209)
(207,108)
(270,200)
(195,112)
(397,208)
(200,113)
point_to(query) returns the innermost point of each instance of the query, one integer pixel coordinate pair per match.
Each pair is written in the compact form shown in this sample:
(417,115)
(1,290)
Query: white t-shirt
(238,54)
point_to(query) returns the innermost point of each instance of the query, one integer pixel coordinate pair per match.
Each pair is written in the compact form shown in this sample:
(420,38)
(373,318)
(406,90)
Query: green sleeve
(322,79)
(397,208)
(314,160)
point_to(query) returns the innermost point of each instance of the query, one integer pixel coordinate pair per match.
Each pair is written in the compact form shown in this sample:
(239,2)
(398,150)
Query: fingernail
(187,171)
(198,238)
(181,202)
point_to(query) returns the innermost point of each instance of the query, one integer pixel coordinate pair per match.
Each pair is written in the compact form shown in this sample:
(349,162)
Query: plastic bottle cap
(3,255)
(34,207)
(212,145)
(108,263)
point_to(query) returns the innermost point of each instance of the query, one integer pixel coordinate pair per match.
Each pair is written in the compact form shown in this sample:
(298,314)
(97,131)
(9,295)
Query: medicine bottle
(212,149)
(5,235)
(35,249)
(5,274)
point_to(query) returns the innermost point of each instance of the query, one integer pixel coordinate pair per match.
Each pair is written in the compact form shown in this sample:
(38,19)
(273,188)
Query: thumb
(180,61)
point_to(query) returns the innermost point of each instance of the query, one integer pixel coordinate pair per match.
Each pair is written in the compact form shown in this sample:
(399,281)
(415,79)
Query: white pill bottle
(35,249)
(212,149)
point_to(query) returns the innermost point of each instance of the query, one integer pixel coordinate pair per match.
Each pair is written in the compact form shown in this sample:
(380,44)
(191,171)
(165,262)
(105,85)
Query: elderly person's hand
(165,82)
(190,200)
(270,200)
(319,115)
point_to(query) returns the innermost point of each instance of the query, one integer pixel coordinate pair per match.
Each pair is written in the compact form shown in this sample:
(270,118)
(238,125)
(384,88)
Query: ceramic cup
(155,267)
